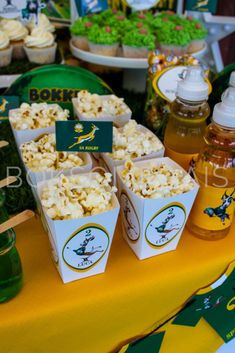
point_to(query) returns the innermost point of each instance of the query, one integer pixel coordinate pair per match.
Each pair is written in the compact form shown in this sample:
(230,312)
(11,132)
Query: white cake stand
(132,80)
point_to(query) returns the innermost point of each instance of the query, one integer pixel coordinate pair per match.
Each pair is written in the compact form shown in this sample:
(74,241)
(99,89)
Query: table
(98,314)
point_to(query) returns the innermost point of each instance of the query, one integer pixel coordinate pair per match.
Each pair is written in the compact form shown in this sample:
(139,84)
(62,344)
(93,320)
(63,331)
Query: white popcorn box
(80,247)
(22,136)
(35,177)
(111,164)
(118,120)
(154,226)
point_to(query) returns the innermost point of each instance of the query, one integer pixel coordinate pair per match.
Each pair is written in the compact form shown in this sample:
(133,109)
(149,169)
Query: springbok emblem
(87,137)
(162,229)
(130,225)
(3,105)
(200,4)
(85,254)
(220,211)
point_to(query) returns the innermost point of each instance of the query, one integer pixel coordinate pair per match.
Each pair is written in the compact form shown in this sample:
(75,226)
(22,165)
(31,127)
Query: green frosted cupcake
(109,14)
(198,34)
(145,17)
(166,17)
(173,39)
(79,31)
(103,40)
(96,18)
(137,43)
(120,23)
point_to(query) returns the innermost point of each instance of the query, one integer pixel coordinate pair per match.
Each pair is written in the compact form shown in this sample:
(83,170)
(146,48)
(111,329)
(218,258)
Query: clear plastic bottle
(212,214)
(187,123)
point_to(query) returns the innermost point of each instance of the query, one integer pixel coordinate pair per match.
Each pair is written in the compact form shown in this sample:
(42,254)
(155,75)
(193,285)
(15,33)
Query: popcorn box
(111,164)
(118,120)
(80,247)
(154,226)
(35,177)
(22,136)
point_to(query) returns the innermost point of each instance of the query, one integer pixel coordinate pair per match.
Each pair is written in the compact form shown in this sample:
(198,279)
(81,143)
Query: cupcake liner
(18,50)
(5,56)
(80,42)
(196,45)
(103,49)
(135,52)
(41,55)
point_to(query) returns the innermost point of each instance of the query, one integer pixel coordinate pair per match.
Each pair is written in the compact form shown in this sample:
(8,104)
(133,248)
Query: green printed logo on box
(84,136)
(7,103)
(201,5)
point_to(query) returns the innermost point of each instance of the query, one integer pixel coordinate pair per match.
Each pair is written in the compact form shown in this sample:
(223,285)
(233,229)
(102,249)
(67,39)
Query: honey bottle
(187,122)
(212,214)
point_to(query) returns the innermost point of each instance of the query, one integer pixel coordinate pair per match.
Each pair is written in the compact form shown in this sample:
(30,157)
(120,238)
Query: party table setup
(117,179)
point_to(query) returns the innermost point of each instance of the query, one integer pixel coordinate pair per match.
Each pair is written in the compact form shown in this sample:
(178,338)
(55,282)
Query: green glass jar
(11,277)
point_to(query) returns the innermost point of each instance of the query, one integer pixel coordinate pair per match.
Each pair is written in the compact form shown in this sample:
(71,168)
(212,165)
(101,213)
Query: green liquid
(10,271)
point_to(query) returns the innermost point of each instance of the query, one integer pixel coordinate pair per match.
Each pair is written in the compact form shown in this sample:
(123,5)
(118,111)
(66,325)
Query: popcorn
(37,115)
(156,181)
(41,155)
(131,142)
(77,196)
(95,106)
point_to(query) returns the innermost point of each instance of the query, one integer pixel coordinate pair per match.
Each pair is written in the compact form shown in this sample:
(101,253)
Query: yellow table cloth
(100,313)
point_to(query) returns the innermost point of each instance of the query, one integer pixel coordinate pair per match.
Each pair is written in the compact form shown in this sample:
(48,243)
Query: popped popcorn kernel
(132,142)
(41,155)
(77,196)
(37,115)
(155,181)
(95,106)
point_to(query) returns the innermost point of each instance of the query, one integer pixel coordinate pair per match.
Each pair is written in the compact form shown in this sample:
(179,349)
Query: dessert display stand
(135,70)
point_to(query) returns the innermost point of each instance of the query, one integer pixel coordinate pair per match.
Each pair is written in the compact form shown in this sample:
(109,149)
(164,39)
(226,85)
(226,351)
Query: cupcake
(5,49)
(40,47)
(43,23)
(16,33)
(107,15)
(197,34)
(145,17)
(95,18)
(79,31)
(120,23)
(173,39)
(137,43)
(166,16)
(103,40)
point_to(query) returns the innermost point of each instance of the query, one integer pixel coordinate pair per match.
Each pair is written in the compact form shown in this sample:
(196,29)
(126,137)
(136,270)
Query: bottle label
(185,160)
(166,80)
(214,208)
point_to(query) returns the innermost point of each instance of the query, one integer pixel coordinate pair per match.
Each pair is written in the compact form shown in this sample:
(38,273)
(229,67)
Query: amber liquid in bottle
(185,130)
(215,168)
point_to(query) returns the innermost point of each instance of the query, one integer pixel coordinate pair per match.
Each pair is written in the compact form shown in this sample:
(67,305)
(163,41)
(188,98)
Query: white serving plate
(118,61)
